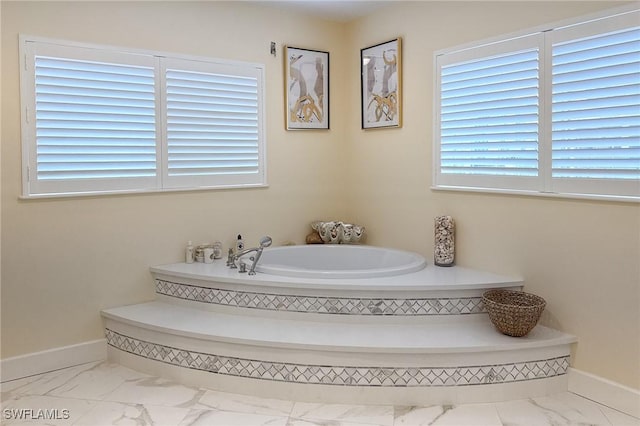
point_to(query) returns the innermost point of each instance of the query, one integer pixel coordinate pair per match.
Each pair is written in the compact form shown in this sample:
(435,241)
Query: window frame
(544,185)
(161,182)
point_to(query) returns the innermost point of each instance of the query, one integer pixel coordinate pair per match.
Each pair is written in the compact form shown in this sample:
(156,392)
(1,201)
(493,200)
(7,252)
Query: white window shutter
(596,111)
(94,121)
(556,116)
(489,115)
(104,120)
(213,124)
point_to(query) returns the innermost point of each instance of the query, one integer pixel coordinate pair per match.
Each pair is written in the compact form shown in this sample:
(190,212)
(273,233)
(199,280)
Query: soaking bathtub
(334,269)
(338,261)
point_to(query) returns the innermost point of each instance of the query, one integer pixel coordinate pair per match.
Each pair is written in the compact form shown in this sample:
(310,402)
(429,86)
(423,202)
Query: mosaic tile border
(322,304)
(341,375)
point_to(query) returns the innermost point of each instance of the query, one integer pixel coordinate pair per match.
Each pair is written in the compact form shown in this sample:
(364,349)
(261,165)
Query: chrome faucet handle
(234,257)
(231,261)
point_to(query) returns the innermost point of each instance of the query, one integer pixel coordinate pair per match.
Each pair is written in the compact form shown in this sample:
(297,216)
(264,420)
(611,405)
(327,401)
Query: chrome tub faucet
(234,257)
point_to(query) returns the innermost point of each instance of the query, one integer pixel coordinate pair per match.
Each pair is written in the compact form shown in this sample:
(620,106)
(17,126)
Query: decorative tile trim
(341,375)
(322,304)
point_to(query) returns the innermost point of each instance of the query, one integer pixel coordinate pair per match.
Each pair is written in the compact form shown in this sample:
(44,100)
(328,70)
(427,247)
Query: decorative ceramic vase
(335,232)
(330,232)
(444,250)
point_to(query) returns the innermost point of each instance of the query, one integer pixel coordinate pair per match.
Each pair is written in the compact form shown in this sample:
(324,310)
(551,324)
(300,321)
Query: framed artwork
(381,70)
(306,89)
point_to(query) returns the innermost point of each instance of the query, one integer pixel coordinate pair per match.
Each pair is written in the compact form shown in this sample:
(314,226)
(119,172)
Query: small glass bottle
(217,250)
(189,253)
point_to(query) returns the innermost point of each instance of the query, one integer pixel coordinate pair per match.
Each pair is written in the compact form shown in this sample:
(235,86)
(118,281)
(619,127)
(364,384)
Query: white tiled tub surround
(342,305)
(319,376)
(341,375)
(377,340)
(433,292)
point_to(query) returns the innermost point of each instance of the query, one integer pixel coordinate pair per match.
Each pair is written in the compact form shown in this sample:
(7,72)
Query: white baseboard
(52,359)
(605,392)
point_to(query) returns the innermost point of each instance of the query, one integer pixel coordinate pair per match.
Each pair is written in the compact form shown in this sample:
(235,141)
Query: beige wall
(582,256)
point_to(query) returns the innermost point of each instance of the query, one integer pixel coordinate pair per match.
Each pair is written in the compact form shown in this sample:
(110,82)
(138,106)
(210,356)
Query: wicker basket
(513,313)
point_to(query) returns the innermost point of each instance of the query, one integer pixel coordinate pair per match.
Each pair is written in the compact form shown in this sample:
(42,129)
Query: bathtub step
(448,361)
(445,337)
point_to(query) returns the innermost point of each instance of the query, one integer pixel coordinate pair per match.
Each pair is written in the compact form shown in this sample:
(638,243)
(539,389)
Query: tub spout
(264,242)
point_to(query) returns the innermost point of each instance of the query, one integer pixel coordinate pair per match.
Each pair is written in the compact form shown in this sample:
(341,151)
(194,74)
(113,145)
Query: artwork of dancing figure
(383,105)
(303,106)
(381,85)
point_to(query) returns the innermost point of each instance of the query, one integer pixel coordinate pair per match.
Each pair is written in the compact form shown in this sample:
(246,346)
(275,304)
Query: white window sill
(594,197)
(138,192)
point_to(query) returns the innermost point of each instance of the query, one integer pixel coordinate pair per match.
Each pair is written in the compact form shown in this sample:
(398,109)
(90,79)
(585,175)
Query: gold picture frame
(306,89)
(381,85)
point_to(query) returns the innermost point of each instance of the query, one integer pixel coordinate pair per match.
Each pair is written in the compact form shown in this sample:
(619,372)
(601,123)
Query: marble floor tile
(371,414)
(97,382)
(156,391)
(117,413)
(45,383)
(229,418)
(417,416)
(10,389)
(523,413)
(44,410)
(616,418)
(244,404)
(472,415)
(560,412)
(7,389)
(586,408)
(300,422)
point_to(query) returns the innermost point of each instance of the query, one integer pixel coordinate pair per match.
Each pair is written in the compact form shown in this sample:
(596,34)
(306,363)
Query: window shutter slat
(93,119)
(212,124)
(596,108)
(489,116)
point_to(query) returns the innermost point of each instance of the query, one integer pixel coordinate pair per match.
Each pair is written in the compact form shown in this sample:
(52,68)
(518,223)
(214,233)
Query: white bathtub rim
(430,278)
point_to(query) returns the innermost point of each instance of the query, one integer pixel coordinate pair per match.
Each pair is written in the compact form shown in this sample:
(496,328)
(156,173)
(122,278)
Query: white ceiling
(334,10)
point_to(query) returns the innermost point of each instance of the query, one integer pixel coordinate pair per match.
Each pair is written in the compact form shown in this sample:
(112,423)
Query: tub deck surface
(430,278)
(443,337)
